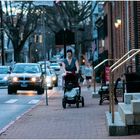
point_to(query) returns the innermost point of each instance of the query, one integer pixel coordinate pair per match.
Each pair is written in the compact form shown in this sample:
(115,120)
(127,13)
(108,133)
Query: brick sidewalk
(54,122)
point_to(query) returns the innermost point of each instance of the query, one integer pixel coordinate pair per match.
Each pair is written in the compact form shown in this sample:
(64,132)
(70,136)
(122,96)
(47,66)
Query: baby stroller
(72,91)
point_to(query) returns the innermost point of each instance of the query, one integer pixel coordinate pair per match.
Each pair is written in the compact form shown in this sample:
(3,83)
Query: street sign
(107,69)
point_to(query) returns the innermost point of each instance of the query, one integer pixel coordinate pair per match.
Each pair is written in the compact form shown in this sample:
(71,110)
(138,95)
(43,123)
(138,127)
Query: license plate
(23,85)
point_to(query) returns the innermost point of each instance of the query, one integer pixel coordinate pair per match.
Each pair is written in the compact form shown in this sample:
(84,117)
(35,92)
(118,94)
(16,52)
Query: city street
(48,48)
(52,121)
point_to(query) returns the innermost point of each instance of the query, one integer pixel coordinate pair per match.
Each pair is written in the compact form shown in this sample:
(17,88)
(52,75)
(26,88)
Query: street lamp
(119,49)
(111,81)
(42,39)
(117,23)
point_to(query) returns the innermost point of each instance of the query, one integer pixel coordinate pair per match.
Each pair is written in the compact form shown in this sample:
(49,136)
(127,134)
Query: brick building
(119,39)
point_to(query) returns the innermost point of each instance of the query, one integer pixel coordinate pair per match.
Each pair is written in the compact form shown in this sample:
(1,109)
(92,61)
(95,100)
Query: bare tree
(71,15)
(20,20)
(67,14)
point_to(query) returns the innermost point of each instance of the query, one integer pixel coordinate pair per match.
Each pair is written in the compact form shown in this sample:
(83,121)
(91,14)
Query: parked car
(54,77)
(56,67)
(43,63)
(49,79)
(26,76)
(4,74)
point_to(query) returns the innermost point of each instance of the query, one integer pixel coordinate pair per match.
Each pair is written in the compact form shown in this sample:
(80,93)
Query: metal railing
(100,64)
(115,66)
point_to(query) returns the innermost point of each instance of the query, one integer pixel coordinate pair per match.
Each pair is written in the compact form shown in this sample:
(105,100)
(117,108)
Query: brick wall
(137,30)
(121,42)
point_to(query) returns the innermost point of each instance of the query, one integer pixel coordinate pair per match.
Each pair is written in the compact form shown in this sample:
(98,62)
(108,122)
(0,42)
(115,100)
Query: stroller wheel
(83,104)
(64,103)
(77,102)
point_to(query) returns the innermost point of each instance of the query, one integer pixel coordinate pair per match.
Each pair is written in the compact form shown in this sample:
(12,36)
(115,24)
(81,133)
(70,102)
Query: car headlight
(33,79)
(5,78)
(48,79)
(14,79)
(54,78)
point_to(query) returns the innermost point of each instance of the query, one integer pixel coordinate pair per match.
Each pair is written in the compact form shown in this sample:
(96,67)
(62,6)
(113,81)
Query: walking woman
(88,74)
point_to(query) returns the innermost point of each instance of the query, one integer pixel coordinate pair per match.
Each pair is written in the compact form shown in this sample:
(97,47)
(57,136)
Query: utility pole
(1,34)
(44,47)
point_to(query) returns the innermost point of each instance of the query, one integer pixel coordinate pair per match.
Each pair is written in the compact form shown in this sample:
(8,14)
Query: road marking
(11,101)
(33,101)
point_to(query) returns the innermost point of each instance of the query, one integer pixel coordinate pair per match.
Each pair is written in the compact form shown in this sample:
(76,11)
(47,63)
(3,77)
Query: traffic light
(82,60)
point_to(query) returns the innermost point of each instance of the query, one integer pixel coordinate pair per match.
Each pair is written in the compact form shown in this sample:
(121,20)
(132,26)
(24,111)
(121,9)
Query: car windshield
(26,69)
(54,64)
(48,72)
(4,70)
(52,71)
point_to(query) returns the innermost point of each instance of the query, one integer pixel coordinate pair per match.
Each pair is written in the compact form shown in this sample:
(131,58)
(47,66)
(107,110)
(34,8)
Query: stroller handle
(73,73)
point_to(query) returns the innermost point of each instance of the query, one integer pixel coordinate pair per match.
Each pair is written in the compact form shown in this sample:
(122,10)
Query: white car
(43,63)
(54,77)
(26,76)
(4,74)
(56,67)
(50,79)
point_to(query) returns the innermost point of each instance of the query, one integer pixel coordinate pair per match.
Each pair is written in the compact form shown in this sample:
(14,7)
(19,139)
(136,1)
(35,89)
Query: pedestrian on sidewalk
(88,72)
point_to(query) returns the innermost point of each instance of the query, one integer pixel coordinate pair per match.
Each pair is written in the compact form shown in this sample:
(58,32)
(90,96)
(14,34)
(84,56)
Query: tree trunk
(18,46)
(17,56)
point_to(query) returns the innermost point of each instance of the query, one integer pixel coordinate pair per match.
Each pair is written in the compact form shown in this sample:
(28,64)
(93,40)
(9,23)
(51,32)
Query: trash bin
(132,82)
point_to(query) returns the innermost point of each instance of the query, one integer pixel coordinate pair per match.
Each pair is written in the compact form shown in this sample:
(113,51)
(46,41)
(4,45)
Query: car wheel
(77,102)
(83,104)
(63,103)
(11,91)
(56,84)
(40,91)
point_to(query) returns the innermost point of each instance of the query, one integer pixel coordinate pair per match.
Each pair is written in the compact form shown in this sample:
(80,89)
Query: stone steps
(126,113)
(127,119)
(118,128)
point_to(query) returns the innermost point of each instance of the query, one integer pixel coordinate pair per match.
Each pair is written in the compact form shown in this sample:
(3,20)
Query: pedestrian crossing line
(34,101)
(11,101)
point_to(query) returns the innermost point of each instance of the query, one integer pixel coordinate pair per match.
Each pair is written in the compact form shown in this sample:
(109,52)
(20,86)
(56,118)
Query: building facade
(119,29)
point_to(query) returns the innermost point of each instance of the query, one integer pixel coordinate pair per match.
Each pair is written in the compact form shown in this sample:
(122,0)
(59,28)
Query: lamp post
(111,79)
(1,34)
(119,48)
(42,40)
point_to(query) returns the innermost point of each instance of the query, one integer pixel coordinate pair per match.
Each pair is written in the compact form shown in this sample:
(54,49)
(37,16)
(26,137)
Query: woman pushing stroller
(72,90)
